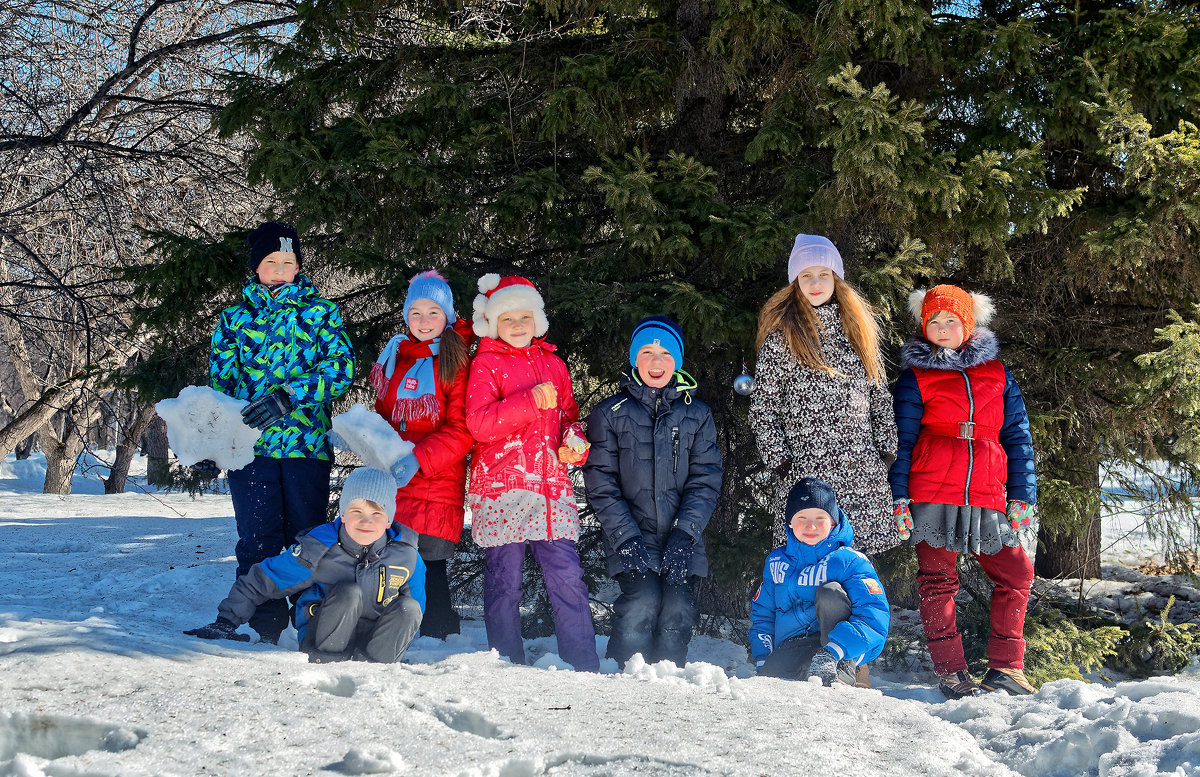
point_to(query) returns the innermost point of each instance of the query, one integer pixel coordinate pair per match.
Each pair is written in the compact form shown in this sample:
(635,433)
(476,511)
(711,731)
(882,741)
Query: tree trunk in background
(1071,548)
(158,465)
(61,452)
(25,448)
(1068,553)
(115,484)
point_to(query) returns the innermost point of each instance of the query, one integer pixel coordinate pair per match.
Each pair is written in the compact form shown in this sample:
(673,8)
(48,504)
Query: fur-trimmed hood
(919,352)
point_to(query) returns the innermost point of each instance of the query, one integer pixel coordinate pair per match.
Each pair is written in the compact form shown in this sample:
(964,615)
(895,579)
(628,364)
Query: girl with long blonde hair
(821,408)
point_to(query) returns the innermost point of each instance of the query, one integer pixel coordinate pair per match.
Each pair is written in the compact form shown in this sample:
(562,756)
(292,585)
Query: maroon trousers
(937,583)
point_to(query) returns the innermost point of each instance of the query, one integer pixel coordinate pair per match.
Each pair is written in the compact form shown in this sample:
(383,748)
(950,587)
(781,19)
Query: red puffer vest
(958,458)
(433,501)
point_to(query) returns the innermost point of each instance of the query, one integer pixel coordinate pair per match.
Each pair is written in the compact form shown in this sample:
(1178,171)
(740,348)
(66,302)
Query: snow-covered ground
(98,680)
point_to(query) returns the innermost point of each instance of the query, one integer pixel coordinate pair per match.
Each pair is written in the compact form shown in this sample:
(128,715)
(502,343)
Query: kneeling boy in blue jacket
(360,581)
(820,611)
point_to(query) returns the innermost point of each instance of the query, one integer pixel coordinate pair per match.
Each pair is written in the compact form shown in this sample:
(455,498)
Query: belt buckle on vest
(966,430)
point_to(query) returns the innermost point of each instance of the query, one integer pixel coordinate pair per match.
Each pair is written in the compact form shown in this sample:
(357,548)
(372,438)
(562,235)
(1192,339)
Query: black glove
(206,468)
(265,411)
(221,628)
(634,556)
(676,555)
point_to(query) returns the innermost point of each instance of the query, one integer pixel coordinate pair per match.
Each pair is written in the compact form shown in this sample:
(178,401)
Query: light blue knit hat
(369,483)
(432,286)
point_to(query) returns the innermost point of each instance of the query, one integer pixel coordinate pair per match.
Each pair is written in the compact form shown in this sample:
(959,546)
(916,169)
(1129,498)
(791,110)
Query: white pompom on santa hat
(500,295)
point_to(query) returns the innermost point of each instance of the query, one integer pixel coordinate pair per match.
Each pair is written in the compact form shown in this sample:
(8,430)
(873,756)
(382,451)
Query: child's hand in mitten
(221,628)
(903,516)
(574,449)
(1020,514)
(545,396)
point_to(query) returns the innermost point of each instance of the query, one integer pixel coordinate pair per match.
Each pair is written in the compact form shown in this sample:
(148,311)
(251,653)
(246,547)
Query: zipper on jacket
(382,583)
(675,449)
(970,442)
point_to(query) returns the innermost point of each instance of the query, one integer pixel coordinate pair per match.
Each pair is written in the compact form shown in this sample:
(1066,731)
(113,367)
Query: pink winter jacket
(519,490)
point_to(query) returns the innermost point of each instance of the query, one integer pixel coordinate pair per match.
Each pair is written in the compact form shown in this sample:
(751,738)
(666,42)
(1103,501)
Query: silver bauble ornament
(743,384)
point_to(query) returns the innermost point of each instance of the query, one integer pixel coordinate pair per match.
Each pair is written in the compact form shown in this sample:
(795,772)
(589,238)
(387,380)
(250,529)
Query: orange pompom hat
(971,309)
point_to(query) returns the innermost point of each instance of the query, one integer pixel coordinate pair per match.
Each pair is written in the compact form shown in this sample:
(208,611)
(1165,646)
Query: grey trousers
(790,658)
(338,626)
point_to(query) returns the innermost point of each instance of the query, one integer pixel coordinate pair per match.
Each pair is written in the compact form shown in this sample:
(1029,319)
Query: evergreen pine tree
(657,157)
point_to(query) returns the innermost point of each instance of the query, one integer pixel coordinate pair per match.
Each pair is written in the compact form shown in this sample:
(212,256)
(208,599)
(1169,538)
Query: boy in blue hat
(820,610)
(653,477)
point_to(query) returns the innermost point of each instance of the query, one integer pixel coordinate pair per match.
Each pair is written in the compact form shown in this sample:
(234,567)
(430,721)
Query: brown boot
(1011,681)
(862,676)
(958,685)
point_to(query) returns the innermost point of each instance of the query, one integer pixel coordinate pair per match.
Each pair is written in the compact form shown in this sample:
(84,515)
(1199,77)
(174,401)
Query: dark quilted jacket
(654,465)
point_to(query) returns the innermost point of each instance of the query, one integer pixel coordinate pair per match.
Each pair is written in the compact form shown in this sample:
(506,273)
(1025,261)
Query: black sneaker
(1011,681)
(958,685)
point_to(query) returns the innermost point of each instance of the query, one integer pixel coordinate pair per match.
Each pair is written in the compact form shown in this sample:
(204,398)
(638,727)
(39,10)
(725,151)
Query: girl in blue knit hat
(821,406)
(653,478)
(420,380)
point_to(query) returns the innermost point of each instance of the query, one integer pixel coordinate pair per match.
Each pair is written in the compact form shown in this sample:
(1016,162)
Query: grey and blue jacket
(325,557)
(654,466)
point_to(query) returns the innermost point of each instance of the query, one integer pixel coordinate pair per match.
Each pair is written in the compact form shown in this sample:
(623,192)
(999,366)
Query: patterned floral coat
(293,340)
(519,489)
(835,427)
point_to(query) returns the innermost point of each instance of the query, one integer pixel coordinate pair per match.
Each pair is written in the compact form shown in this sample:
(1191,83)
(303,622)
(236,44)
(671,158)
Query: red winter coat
(942,458)
(519,488)
(432,502)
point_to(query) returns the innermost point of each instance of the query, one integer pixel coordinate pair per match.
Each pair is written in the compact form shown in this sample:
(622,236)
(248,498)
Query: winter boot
(830,670)
(321,657)
(1010,680)
(862,676)
(958,685)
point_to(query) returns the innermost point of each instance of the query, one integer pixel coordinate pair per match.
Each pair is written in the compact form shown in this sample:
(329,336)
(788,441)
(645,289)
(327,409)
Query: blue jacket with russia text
(784,606)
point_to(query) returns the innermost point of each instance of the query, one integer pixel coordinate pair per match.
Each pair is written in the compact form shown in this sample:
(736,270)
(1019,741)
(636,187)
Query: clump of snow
(366,434)
(203,423)
(372,759)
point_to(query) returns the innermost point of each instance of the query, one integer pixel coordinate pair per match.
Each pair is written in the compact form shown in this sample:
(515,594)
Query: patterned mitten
(903,517)
(1020,514)
(824,666)
(545,396)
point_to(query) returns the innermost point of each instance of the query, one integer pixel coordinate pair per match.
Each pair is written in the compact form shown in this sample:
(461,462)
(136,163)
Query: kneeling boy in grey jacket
(360,581)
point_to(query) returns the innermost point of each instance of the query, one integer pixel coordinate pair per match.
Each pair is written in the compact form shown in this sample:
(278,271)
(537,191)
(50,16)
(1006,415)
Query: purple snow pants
(568,600)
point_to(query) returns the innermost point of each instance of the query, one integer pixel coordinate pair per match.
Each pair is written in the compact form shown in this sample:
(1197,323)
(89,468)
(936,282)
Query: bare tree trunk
(1069,553)
(119,473)
(1071,547)
(158,466)
(61,454)
(25,448)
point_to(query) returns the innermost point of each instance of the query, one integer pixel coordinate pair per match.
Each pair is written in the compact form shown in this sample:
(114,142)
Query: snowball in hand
(203,423)
(365,433)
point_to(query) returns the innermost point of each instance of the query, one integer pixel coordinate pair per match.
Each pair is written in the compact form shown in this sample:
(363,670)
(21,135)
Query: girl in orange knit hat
(963,482)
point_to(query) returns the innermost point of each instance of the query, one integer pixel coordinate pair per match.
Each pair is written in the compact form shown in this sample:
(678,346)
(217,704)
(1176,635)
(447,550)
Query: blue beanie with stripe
(657,330)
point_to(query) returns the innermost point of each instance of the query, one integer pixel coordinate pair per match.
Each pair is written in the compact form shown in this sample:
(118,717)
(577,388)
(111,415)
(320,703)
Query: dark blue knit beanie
(271,237)
(811,492)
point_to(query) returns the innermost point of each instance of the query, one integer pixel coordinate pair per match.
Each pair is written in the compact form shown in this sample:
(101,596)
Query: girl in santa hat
(963,482)
(522,412)
(420,380)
